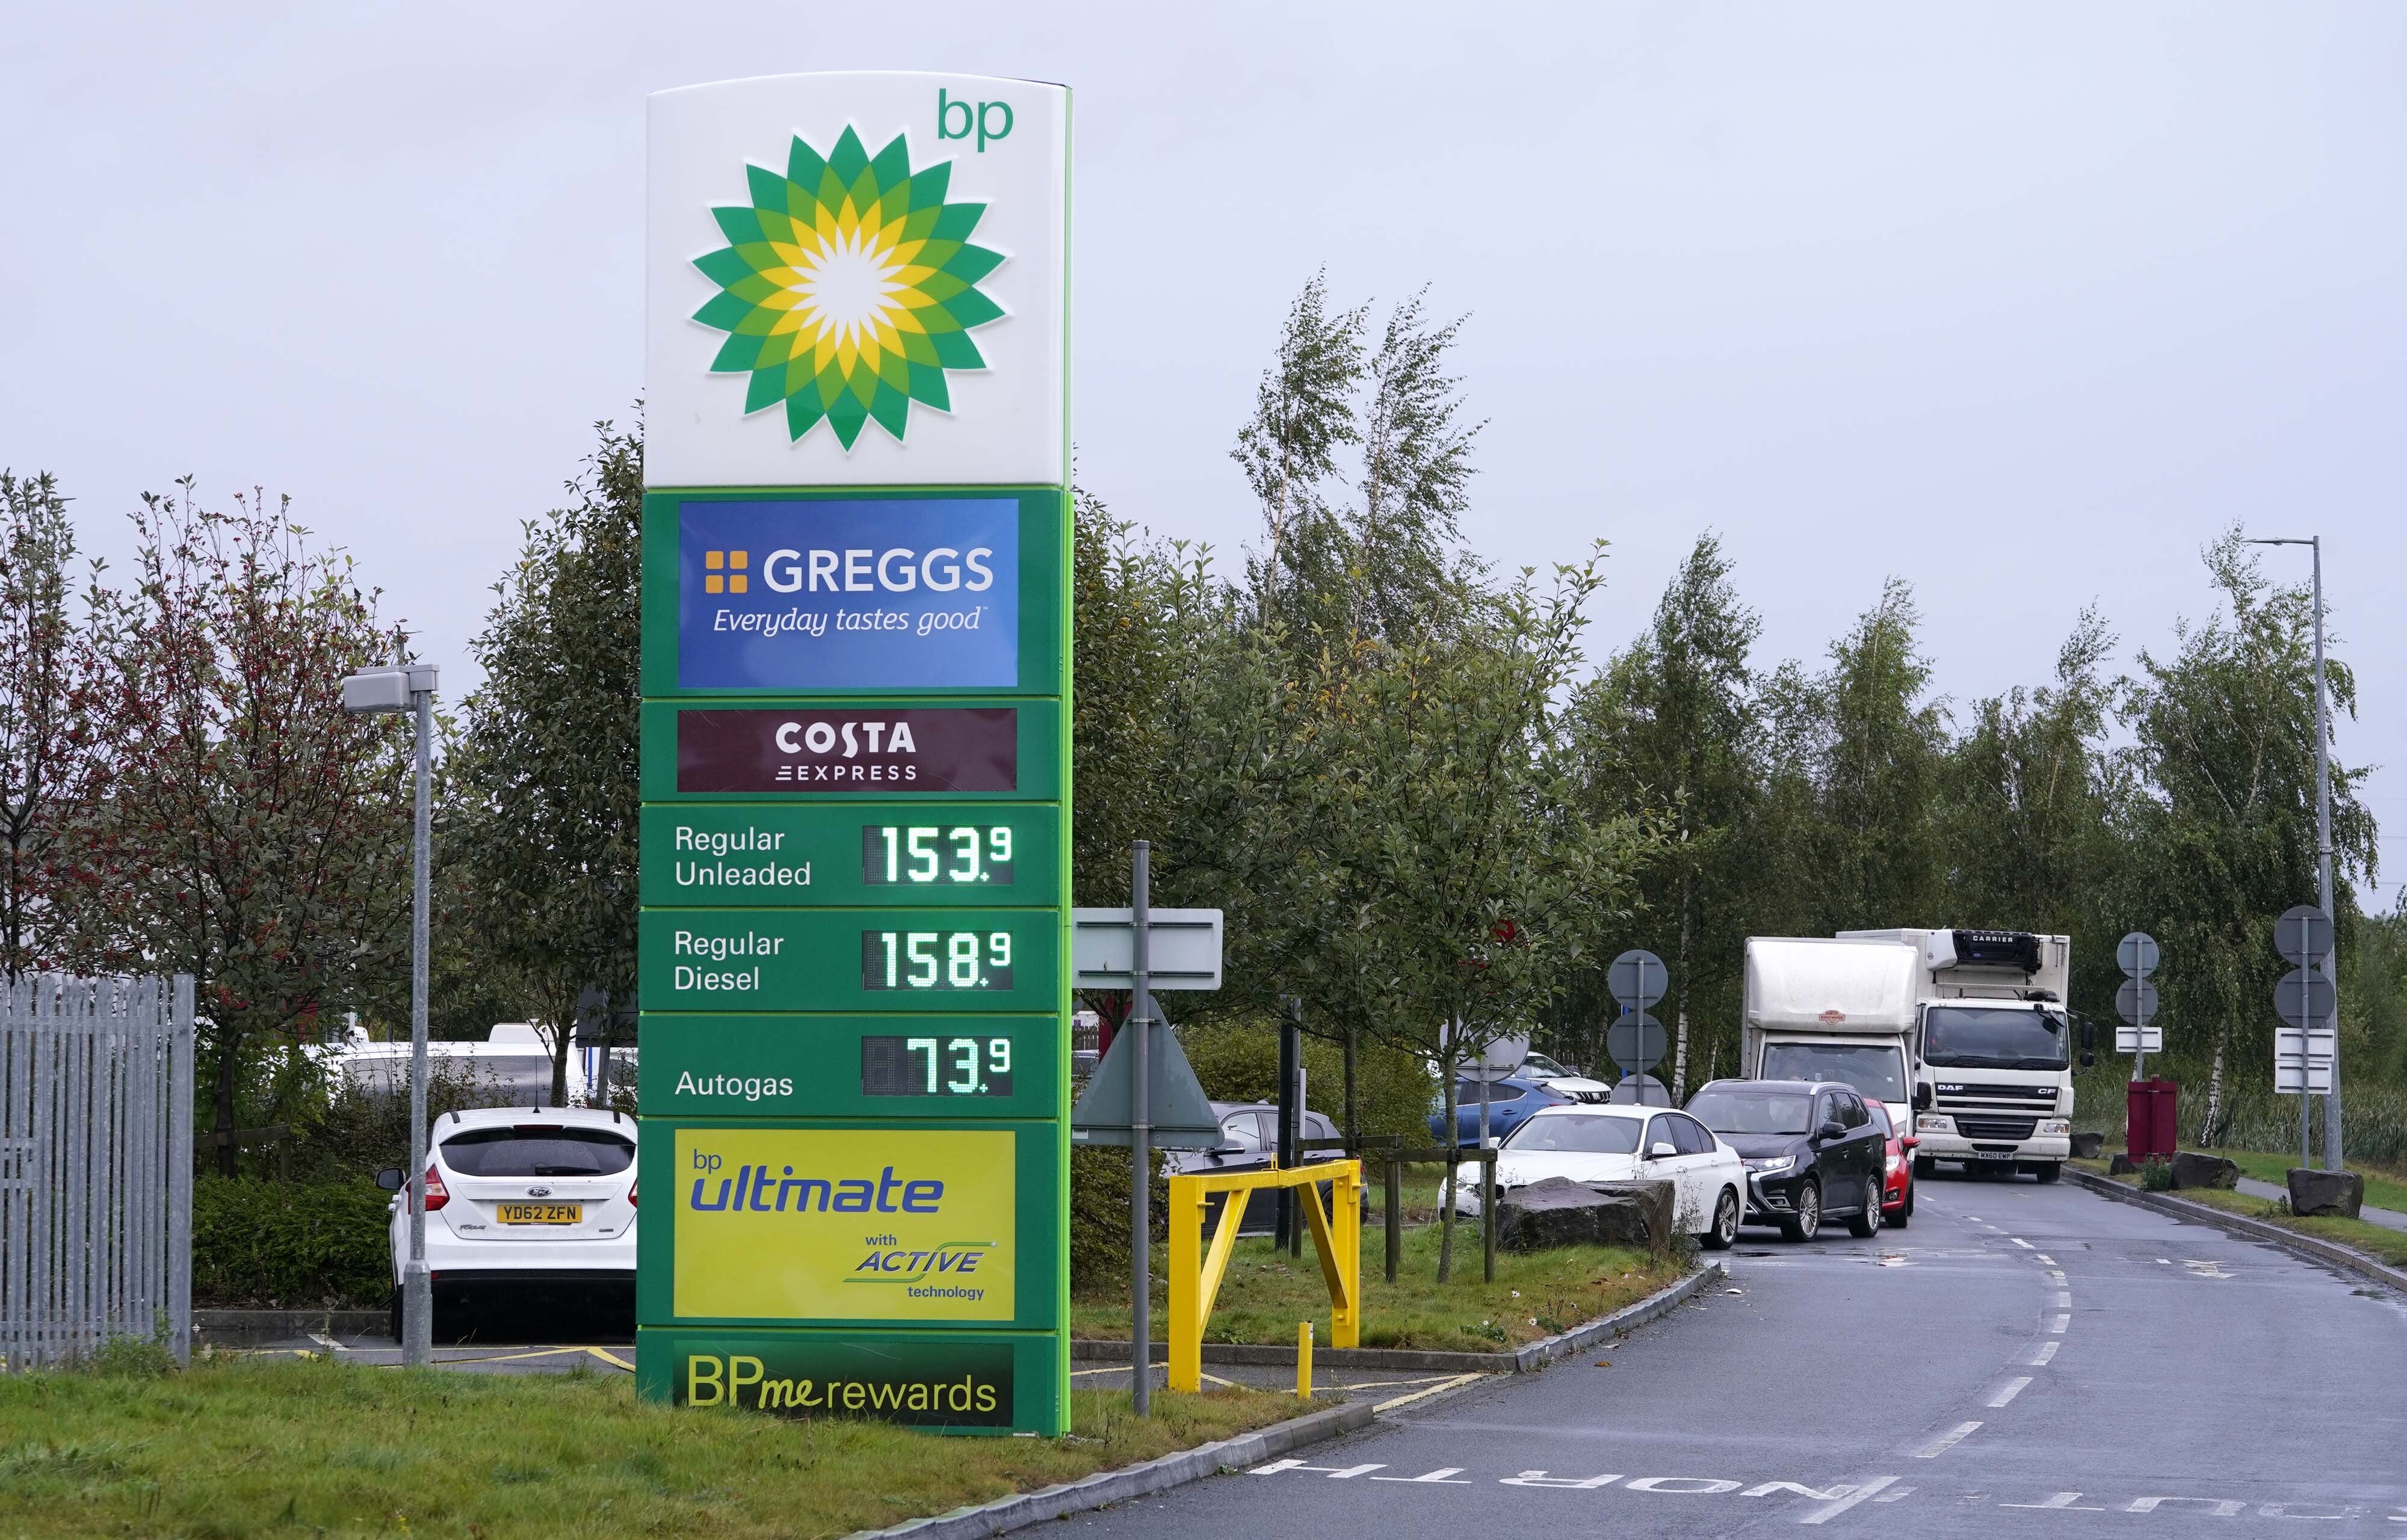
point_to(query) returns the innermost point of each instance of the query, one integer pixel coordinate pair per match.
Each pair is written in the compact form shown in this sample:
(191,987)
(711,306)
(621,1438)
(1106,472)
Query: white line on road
(2047,1351)
(2059,1324)
(2049,1260)
(1829,1511)
(2013,1388)
(2021,1242)
(1945,1441)
(2063,1300)
(1442,1385)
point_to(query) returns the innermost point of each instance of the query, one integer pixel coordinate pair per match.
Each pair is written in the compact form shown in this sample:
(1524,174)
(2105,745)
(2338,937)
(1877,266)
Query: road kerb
(1532,1356)
(1131,1482)
(2254,1229)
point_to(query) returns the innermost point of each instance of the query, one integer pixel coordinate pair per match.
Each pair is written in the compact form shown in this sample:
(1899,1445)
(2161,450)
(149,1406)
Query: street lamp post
(411,688)
(2323,842)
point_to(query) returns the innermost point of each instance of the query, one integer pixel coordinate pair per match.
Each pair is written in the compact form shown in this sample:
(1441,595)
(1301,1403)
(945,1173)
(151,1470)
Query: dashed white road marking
(2049,1260)
(1829,1511)
(1947,1441)
(2021,1242)
(2012,1389)
(2046,1350)
(2057,1326)
(2063,1300)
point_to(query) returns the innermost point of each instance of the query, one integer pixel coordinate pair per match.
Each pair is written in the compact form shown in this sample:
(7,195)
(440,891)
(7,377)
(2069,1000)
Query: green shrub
(1238,1061)
(2156,1176)
(1098,1219)
(304,1245)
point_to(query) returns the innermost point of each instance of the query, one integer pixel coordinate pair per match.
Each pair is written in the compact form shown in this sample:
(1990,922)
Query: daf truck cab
(1994,1048)
(1817,1009)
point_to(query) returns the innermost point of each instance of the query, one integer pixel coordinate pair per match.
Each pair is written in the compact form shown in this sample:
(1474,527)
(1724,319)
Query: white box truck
(1816,1009)
(1993,1046)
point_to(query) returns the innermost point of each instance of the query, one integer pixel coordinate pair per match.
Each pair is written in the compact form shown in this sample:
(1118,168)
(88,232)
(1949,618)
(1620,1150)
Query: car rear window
(1752,1111)
(538,1149)
(1595,1135)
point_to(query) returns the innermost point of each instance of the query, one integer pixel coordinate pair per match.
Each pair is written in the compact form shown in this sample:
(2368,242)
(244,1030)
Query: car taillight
(631,1197)
(436,1194)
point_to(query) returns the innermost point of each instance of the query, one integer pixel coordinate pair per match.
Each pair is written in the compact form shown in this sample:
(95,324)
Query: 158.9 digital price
(935,959)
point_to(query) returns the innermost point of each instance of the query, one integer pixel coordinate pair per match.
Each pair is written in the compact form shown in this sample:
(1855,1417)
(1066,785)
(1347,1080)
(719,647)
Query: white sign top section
(859,333)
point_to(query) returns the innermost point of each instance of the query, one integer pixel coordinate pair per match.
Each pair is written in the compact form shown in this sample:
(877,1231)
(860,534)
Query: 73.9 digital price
(935,959)
(936,1066)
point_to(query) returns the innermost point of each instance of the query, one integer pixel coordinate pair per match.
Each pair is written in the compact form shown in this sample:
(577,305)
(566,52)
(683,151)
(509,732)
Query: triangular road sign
(1182,1115)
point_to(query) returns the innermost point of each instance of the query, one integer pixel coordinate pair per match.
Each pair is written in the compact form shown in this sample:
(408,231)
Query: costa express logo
(930,749)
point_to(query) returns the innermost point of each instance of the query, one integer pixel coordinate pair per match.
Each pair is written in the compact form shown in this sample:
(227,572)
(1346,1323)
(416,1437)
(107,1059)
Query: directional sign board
(1184,949)
(2135,1002)
(1637,978)
(1635,1042)
(2302,1062)
(854,948)
(2303,935)
(2136,954)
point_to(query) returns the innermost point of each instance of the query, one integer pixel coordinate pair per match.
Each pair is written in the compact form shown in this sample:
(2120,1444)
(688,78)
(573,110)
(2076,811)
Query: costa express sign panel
(851,854)
(833,594)
(851,1066)
(834,959)
(868,751)
(822,1224)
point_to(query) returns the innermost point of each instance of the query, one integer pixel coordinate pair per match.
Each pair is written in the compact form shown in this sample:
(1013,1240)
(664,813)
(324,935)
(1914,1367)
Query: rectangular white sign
(1184,954)
(2288,1053)
(2139,1039)
(857,279)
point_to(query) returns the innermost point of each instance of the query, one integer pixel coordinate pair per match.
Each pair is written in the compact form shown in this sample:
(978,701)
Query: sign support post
(1141,1130)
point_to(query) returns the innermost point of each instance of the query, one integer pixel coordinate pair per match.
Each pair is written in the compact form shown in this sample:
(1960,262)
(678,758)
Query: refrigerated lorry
(1819,1009)
(1993,1046)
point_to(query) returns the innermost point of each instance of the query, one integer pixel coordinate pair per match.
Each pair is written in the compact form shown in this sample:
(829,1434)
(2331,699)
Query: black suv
(1812,1150)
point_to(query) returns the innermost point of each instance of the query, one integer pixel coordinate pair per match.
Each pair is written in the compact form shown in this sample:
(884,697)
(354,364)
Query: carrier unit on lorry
(1821,1010)
(1993,1045)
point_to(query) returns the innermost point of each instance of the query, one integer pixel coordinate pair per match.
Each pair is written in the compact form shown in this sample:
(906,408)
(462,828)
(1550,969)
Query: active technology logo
(798,594)
(849,288)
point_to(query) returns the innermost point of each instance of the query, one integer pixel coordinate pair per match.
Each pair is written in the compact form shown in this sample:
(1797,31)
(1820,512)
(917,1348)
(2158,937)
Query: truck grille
(1996,1128)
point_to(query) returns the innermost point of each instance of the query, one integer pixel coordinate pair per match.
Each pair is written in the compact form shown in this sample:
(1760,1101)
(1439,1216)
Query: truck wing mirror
(2088,1058)
(1922,1096)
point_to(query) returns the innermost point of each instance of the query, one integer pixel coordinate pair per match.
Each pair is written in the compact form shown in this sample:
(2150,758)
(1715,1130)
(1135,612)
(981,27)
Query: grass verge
(2382,1190)
(236,1447)
(1535,1295)
(2386,1246)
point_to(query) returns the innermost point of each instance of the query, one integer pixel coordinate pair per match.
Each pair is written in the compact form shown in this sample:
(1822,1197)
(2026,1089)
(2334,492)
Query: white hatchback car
(1623,1143)
(525,1206)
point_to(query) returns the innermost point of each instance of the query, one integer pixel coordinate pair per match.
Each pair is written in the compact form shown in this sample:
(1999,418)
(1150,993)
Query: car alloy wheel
(1724,1234)
(1864,1226)
(1807,1223)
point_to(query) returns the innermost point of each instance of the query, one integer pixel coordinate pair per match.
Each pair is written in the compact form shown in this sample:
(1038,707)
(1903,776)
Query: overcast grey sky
(2022,302)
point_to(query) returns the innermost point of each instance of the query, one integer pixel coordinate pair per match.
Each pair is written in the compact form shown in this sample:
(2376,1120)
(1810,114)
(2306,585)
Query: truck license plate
(1993,1154)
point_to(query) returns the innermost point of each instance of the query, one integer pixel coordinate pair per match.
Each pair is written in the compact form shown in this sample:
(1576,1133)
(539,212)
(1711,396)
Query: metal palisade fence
(95,1165)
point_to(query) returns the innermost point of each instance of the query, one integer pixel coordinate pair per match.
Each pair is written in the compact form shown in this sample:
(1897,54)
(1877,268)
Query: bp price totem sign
(856,768)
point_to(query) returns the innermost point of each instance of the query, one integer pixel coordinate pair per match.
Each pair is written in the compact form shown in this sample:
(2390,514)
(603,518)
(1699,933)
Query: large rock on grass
(2192,1169)
(2333,1194)
(1560,1212)
(2088,1146)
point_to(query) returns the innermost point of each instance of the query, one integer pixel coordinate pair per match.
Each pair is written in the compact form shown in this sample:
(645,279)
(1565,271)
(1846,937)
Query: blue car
(1509,1103)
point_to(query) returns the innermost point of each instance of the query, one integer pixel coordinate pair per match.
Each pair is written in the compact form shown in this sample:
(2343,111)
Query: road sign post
(854,957)
(1636,1041)
(2306,1048)
(2136,1001)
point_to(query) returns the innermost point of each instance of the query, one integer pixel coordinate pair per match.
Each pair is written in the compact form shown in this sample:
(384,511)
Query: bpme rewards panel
(853,1073)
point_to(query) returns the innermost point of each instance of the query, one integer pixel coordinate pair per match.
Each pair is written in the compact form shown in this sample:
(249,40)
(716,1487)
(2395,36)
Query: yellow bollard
(1304,1361)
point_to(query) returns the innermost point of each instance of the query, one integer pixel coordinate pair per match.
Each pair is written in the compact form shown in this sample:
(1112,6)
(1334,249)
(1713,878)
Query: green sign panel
(854,974)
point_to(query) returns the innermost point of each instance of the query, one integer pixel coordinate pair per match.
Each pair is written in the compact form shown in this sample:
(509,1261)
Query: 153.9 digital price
(937,855)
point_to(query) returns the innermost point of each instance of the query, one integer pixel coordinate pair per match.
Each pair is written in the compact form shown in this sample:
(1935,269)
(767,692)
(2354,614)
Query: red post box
(2150,1123)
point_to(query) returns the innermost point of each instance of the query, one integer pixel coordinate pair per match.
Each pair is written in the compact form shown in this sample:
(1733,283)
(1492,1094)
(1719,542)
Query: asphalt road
(2023,1361)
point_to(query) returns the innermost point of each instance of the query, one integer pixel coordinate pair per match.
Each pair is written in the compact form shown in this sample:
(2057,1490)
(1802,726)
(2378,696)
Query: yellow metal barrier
(1195,1273)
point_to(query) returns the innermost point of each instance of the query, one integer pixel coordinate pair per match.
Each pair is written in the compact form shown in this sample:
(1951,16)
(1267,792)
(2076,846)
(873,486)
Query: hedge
(290,1245)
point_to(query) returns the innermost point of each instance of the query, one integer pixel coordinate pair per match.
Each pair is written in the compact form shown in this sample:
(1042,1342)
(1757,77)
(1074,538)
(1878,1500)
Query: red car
(1897,1184)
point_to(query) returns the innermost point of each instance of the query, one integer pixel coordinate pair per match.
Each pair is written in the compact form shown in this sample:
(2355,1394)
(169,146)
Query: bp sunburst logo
(849,288)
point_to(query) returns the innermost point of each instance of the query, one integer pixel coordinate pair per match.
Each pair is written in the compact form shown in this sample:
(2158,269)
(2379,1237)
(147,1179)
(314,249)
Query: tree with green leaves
(1668,732)
(242,827)
(541,826)
(51,685)
(2219,824)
